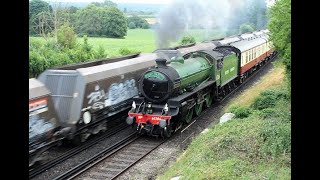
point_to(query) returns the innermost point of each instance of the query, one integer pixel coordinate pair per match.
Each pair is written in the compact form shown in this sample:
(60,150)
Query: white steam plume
(181,15)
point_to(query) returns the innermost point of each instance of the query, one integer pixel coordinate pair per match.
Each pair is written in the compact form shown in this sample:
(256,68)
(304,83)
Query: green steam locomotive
(175,91)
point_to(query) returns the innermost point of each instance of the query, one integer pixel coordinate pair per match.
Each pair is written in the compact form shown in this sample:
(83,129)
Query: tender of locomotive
(44,126)
(90,96)
(173,92)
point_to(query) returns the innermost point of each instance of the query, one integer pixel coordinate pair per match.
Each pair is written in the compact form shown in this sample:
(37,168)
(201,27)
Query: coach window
(255,52)
(252,54)
(247,58)
(242,59)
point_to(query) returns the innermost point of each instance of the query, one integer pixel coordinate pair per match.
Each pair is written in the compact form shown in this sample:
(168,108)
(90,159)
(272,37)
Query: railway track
(112,162)
(59,159)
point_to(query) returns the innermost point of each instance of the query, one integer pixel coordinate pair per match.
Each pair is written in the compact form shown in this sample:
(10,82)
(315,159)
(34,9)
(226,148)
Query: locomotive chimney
(161,62)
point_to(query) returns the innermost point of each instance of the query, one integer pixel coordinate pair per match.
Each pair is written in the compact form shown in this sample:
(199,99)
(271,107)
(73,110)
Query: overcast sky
(120,1)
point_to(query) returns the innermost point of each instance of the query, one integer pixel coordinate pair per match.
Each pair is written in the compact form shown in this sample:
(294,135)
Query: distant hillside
(128,6)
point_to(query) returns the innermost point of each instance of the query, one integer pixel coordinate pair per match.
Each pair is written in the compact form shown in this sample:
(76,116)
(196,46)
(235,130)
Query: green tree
(187,40)
(138,22)
(66,36)
(73,9)
(37,9)
(132,25)
(106,3)
(101,21)
(246,28)
(90,20)
(37,6)
(280,31)
(145,25)
(116,23)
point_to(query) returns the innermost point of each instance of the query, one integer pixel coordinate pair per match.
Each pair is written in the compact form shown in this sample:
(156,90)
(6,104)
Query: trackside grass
(255,146)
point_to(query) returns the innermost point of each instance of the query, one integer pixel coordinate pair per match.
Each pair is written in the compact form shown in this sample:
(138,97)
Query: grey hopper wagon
(88,96)
(44,126)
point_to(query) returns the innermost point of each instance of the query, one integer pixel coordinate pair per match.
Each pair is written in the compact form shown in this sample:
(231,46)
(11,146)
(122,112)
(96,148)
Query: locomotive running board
(178,100)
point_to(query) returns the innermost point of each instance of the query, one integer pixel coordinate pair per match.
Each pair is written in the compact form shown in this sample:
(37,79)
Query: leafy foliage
(37,9)
(52,54)
(280,31)
(244,28)
(187,40)
(138,22)
(116,23)
(132,25)
(105,3)
(276,131)
(38,6)
(101,21)
(241,111)
(145,25)
(96,19)
(268,98)
(89,21)
(250,148)
(126,51)
(66,36)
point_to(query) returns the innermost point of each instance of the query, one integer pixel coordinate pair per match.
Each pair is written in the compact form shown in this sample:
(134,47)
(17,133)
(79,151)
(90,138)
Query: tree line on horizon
(95,20)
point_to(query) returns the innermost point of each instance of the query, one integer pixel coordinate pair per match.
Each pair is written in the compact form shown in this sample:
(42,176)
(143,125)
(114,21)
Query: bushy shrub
(267,113)
(276,137)
(187,40)
(37,64)
(132,25)
(240,111)
(268,98)
(276,130)
(124,51)
(145,25)
(246,28)
(66,36)
(86,46)
(100,53)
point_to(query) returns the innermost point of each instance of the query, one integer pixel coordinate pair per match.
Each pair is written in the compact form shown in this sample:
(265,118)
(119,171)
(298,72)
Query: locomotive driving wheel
(189,116)
(208,100)
(198,108)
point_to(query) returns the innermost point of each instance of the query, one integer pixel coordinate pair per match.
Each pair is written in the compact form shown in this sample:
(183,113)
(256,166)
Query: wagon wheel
(198,108)
(208,100)
(188,116)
